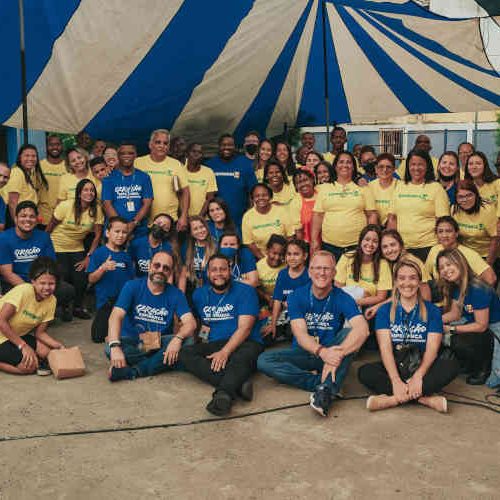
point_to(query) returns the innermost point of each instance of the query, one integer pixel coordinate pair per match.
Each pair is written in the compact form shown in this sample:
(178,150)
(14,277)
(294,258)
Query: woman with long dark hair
(71,223)
(449,173)
(276,178)
(283,155)
(488,184)
(78,164)
(264,154)
(219,219)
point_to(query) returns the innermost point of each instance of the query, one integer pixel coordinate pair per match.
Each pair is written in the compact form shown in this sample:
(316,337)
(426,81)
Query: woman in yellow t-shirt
(26,308)
(71,222)
(269,267)
(301,208)
(77,161)
(488,184)
(275,177)
(365,269)
(283,155)
(313,159)
(477,221)
(323,173)
(382,188)
(447,232)
(416,204)
(342,209)
(449,173)
(264,154)
(26,178)
(263,220)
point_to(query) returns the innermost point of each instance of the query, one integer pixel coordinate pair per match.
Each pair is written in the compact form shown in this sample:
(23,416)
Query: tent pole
(24,93)
(325,73)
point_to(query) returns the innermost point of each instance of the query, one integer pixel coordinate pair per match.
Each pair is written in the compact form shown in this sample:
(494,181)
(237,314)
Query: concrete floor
(408,452)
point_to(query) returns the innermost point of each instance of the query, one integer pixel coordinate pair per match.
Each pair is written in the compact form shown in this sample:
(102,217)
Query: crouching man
(140,339)
(322,350)
(227,358)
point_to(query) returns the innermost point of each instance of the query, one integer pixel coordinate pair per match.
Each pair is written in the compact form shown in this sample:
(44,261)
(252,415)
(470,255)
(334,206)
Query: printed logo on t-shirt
(416,333)
(223,312)
(31,315)
(151,314)
(26,254)
(275,223)
(319,321)
(133,191)
(143,265)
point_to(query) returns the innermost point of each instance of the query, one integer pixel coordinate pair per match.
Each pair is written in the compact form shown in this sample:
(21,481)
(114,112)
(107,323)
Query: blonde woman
(409,333)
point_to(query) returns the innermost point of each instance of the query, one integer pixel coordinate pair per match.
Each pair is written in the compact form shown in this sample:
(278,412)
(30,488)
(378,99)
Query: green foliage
(68,140)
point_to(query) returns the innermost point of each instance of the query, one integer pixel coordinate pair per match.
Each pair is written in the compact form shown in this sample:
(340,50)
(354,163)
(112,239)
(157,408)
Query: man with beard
(235,177)
(53,168)
(251,144)
(231,340)
(147,306)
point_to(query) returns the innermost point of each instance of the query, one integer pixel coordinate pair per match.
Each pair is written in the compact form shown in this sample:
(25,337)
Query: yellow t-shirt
(68,236)
(259,173)
(162,174)
(491,193)
(344,208)
(268,275)
(366,281)
(476,230)
(285,196)
(476,262)
(47,198)
(417,206)
(402,167)
(330,158)
(200,183)
(17,184)
(382,197)
(29,312)
(257,228)
(68,183)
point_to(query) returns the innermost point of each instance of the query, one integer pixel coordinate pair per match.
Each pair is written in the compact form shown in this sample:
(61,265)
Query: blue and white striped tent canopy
(121,68)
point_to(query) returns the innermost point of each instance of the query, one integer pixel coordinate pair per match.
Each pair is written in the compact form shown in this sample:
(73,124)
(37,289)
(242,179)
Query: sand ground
(408,452)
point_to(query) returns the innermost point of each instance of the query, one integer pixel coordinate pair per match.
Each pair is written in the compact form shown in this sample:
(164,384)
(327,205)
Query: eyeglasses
(467,196)
(322,269)
(165,143)
(163,267)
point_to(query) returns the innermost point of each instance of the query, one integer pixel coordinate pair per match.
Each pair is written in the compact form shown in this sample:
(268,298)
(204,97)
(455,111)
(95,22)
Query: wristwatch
(453,329)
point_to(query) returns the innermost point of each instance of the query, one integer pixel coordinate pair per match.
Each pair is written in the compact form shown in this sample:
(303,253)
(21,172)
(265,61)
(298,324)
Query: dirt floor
(408,452)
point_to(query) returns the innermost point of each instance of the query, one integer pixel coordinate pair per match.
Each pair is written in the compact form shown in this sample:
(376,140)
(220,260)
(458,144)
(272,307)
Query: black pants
(99,328)
(66,262)
(474,350)
(421,253)
(441,373)
(10,354)
(65,293)
(241,364)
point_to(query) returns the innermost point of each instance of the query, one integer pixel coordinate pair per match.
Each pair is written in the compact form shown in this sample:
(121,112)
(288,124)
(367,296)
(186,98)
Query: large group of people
(286,264)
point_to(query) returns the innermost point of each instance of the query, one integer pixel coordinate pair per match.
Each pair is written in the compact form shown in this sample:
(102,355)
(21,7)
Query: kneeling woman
(467,299)
(409,333)
(26,308)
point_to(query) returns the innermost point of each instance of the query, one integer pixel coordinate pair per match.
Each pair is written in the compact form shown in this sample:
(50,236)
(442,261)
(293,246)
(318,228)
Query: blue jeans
(147,364)
(494,378)
(293,366)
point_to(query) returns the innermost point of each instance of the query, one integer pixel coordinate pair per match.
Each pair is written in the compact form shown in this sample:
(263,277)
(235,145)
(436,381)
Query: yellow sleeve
(63,188)
(15,296)
(100,216)
(318,204)
(246,228)
(183,178)
(342,266)
(401,169)
(295,208)
(392,202)
(212,182)
(367,194)
(61,211)
(431,261)
(476,262)
(441,201)
(16,181)
(497,186)
(384,276)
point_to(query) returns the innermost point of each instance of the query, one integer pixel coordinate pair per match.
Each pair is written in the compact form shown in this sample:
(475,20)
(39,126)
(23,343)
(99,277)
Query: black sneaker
(126,373)
(43,368)
(478,378)
(220,405)
(246,390)
(80,312)
(321,400)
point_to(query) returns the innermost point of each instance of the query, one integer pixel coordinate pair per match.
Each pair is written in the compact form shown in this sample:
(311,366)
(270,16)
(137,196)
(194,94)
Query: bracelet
(114,343)
(318,350)
(179,337)
(453,329)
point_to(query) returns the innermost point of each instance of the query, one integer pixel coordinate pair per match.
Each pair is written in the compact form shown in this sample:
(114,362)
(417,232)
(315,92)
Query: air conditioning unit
(391,141)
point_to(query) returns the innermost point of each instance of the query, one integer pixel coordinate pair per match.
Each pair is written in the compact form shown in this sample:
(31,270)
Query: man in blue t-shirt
(317,313)
(128,192)
(146,308)
(226,359)
(20,246)
(235,177)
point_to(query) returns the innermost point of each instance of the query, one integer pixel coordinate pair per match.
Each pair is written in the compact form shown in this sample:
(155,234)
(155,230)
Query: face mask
(158,233)
(228,252)
(369,167)
(251,149)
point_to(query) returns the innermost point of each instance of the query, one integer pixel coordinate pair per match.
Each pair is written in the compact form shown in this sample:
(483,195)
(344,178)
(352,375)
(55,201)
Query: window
(391,141)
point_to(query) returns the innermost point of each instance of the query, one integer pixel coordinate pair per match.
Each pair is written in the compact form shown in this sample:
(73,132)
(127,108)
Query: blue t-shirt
(221,311)
(409,327)
(147,312)
(111,283)
(217,233)
(235,179)
(285,285)
(126,193)
(452,194)
(324,318)
(245,263)
(479,296)
(142,252)
(198,256)
(21,253)
(3,210)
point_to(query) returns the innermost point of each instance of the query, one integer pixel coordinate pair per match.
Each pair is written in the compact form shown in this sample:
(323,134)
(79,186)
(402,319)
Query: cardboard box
(66,363)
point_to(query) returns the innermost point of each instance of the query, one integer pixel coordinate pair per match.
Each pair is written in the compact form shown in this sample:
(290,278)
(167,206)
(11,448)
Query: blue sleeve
(296,307)
(247,261)
(382,320)
(132,248)
(130,266)
(280,283)
(126,297)
(479,297)
(348,305)
(5,249)
(147,187)
(96,259)
(248,301)
(107,189)
(48,247)
(251,178)
(434,319)
(2,211)
(197,299)
(181,305)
